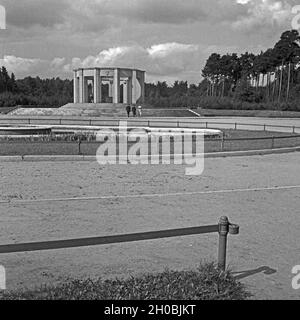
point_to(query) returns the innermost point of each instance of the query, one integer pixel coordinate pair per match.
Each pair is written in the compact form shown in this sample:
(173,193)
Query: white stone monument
(130,81)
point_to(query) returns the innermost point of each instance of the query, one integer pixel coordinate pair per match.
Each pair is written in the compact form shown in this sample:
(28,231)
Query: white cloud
(263,14)
(166,49)
(23,67)
(164,62)
(20,65)
(58,63)
(166,59)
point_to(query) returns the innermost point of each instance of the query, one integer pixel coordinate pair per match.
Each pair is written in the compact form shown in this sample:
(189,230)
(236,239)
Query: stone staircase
(96,109)
(168,113)
(119,110)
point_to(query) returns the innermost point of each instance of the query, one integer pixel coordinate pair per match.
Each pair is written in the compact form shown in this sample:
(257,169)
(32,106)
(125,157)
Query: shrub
(206,283)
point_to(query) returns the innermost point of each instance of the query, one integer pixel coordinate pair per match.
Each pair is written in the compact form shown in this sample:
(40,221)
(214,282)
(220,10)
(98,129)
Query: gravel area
(263,254)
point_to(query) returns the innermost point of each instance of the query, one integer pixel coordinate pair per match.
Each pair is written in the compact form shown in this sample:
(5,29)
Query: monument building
(109,85)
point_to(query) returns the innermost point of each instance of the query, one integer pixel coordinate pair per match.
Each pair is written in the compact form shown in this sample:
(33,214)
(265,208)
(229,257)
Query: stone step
(94,106)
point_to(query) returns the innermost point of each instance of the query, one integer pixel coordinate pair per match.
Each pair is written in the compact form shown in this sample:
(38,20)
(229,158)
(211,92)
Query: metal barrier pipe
(223,228)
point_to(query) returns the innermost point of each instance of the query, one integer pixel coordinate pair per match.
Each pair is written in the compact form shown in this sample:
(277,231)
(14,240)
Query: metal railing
(168,123)
(223,143)
(223,228)
(273,139)
(83,146)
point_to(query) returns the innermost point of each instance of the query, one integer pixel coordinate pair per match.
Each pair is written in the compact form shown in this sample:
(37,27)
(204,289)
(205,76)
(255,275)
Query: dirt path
(268,245)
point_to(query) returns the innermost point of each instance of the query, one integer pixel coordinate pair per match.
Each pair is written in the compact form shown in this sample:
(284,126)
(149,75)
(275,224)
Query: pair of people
(135,111)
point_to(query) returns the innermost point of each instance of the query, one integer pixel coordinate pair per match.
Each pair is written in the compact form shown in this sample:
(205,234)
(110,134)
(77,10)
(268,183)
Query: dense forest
(271,76)
(34,91)
(269,80)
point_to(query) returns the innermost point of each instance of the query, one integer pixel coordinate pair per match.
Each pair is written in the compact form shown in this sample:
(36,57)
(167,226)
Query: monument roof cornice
(109,68)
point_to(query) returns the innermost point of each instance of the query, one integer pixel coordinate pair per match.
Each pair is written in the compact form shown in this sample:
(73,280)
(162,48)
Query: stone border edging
(57,158)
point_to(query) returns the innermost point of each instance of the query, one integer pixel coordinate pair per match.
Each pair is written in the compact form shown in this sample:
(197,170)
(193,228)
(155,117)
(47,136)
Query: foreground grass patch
(206,283)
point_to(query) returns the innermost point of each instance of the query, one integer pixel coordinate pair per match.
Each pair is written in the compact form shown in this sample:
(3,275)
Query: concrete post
(116,87)
(76,88)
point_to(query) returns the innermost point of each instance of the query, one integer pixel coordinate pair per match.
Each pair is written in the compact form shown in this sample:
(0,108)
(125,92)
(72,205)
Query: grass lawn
(6,110)
(247,113)
(206,283)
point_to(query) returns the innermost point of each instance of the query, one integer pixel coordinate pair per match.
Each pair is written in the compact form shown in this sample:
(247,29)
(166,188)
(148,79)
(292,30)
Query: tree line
(272,75)
(34,92)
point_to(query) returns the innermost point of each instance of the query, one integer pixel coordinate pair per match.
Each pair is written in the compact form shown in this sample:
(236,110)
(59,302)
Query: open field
(261,193)
(27,147)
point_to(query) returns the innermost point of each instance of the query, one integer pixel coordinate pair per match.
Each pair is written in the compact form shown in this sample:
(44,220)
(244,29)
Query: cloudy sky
(170,39)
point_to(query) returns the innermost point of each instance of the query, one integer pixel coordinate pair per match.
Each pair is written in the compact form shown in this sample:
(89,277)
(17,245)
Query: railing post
(223,233)
(79,146)
(273,142)
(294,129)
(223,142)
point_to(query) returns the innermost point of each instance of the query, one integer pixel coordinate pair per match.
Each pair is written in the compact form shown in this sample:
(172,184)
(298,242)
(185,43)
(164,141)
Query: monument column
(129,90)
(97,89)
(142,83)
(125,92)
(100,87)
(110,88)
(134,87)
(76,89)
(85,90)
(81,86)
(116,87)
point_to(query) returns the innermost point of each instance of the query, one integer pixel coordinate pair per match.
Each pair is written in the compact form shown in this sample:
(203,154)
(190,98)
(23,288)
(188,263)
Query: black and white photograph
(150,153)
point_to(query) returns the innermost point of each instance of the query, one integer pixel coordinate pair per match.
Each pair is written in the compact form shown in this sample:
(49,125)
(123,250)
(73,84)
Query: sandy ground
(263,254)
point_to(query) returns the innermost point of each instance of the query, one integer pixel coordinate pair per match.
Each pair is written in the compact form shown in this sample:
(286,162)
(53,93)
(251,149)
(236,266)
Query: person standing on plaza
(140,111)
(134,111)
(128,110)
